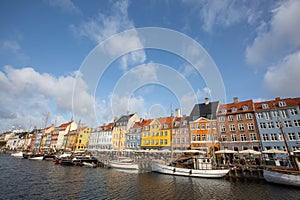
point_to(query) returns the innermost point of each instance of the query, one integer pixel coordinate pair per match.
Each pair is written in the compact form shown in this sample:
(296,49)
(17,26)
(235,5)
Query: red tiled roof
(65,125)
(272,104)
(239,106)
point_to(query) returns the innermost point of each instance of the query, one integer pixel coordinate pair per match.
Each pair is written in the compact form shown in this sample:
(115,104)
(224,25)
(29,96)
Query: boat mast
(68,134)
(77,133)
(43,132)
(284,138)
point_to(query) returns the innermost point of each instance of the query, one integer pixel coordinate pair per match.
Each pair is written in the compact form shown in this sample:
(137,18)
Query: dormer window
(233,109)
(165,125)
(281,103)
(223,111)
(245,108)
(265,106)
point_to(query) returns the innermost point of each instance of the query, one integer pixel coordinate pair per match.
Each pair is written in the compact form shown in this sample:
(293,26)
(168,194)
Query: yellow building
(156,134)
(121,128)
(83,138)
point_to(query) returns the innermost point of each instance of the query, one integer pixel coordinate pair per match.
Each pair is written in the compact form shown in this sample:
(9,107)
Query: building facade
(277,119)
(237,126)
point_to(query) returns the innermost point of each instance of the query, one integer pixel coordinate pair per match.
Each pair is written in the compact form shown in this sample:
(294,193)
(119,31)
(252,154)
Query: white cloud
(13,47)
(66,6)
(223,13)
(278,37)
(103,27)
(283,79)
(27,94)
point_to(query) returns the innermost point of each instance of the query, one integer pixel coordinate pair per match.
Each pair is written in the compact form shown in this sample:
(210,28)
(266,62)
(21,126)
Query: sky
(96,60)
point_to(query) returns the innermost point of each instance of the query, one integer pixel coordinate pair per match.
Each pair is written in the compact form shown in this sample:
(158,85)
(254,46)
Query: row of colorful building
(235,126)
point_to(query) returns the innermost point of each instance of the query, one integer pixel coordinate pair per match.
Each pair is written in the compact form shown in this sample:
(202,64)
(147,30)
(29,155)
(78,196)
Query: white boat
(18,154)
(285,177)
(193,167)
(36,157)
(123,163)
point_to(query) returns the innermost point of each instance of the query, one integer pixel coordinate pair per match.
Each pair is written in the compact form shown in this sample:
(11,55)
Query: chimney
(206,101)
(235,100)
(177,111)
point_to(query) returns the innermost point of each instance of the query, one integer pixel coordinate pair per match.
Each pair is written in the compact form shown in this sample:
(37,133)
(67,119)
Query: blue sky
(255,46)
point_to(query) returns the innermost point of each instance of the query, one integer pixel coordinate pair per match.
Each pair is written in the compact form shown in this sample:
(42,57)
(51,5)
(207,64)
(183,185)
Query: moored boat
(123,163)
(285,177)
(18,154)
(192,167)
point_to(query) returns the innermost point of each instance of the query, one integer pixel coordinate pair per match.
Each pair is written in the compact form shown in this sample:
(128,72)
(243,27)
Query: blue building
(271,115)
(133,137)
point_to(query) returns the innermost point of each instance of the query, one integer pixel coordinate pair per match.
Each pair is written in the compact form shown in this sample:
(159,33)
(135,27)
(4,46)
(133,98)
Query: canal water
(26,179)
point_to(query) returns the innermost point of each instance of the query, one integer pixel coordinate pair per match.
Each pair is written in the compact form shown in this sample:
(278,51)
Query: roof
(275,104)
(123,120)
(107,127)
(165,120)
(207,110)
(178,122)
(65,125)
(243,106)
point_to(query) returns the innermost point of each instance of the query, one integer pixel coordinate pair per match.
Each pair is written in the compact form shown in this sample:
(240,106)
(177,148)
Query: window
(166,126)
(270,125)
(245,108)
(193,138)
(224,138)
(233,137)
(239,117)
(284,114)
(232,127)
(241,127)
(253,137)
(267,115)
(203,137)
(265,137)
(294,111)
(288,124)
(243,137)
(202,126)
(250,126)
(166,141)
(223,128)
(198,126)
(223,111)
(278,124)
(275,113)
(281,103)
(208,126)
(297,123)
(221,119)
(166,133)
(292,136)
(233,109)
(273,136)
(198,137)
(265,106)
(248,116)
(262,125)
(192,126)
(230,118)
(259,115)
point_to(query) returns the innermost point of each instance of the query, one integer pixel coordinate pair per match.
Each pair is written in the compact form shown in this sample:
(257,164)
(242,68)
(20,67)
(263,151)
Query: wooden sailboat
(289,177)
(190,164)
(124,163)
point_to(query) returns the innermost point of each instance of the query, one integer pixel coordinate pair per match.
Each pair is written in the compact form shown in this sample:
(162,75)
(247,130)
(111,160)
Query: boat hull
(36,158)
(17,155)
(282,178)
(122,165)
(205,173)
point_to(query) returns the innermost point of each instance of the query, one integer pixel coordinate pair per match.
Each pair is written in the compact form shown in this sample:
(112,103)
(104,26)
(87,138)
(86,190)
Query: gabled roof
(207,110)
(178,122)
(165,120)
(123,120)
(107,127)
(65,125)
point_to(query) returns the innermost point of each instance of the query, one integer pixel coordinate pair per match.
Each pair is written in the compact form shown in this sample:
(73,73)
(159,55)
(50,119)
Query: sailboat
(290,177)
(191,164)
(124,163)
